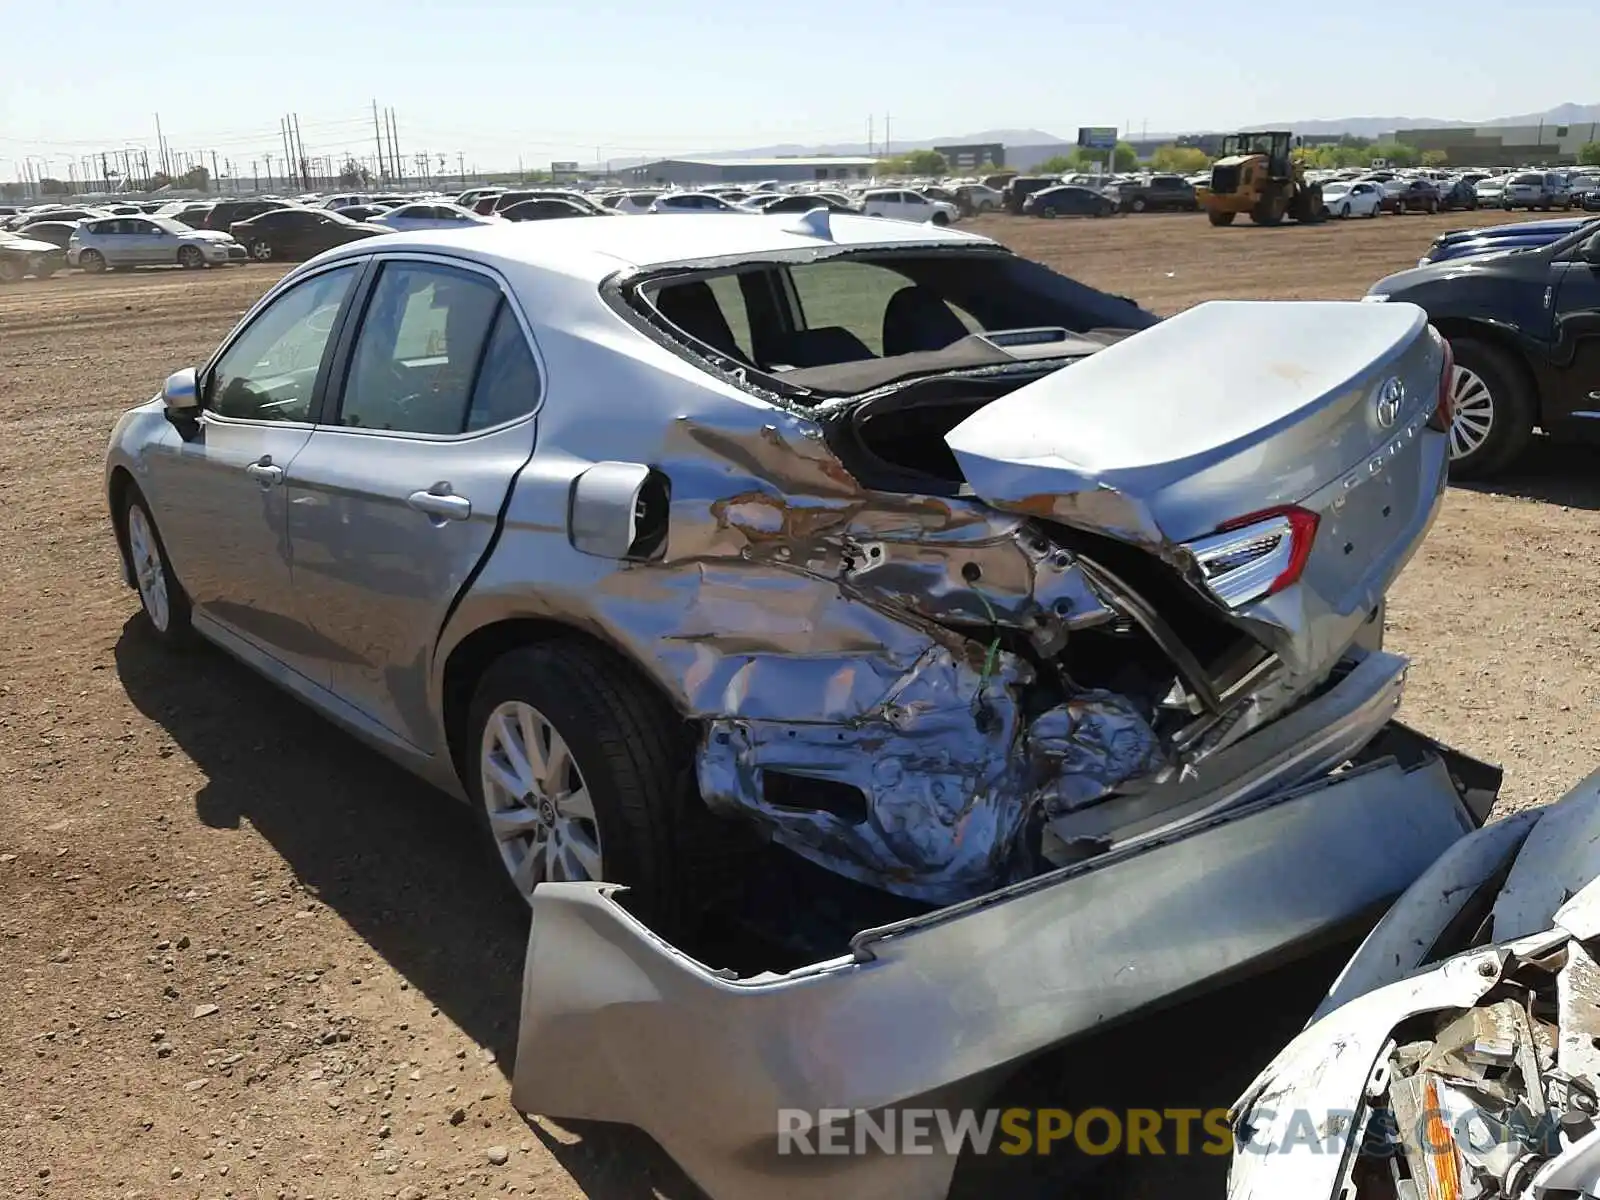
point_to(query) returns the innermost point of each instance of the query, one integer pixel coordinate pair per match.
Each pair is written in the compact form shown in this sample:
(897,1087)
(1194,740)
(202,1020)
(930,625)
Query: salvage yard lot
(243,956)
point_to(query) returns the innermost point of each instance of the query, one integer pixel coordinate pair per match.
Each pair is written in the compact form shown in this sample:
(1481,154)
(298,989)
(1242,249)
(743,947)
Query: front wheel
(1493,409)
(1138,204)
(579,772)
(1344,211)
(161,596)
(1220,218)
(190,258)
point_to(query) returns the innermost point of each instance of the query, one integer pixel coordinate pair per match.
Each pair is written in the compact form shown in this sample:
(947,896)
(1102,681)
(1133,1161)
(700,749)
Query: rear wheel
(1494,409)
(261,251)
(190,258)
(43,268)
(581,772)
(1220,218)
(92,261)
(1267,212)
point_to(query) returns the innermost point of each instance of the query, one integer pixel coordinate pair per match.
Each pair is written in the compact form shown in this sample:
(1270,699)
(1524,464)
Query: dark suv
(1159,193)
(225,213)
(1023,186)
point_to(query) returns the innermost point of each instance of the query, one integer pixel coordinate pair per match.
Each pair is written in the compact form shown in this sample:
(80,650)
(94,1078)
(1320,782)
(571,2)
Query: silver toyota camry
(987,648)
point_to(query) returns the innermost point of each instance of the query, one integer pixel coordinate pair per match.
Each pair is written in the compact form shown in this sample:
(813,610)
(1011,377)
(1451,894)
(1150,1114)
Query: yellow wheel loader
(1257,174)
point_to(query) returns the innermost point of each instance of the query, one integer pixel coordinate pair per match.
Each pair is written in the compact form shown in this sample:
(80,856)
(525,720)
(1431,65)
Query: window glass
(730,298)
(508,382)
(268,374)
(854,296)
(418,349)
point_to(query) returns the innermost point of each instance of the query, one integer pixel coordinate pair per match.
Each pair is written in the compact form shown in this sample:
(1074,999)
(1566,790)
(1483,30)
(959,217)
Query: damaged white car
(1457,1057)
(828,619)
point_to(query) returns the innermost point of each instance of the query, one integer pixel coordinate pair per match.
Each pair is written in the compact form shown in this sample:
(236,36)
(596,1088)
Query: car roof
(595,250)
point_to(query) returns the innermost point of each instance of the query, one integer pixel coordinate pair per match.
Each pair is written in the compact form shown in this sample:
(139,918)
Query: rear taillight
(1444,411)
(1258,555)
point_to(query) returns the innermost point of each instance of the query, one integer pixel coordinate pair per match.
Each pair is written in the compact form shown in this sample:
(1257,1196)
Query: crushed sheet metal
(1560,858)
(948,773)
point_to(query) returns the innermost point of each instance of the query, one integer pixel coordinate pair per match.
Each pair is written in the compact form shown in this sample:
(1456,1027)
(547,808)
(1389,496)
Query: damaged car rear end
(1036,642)
(1456,1056)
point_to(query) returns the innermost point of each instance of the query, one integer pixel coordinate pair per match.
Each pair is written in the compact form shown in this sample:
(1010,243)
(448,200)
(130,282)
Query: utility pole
(871,135)
(306,183)
(394,146)
(288,156)
(105,170)
(215,174)
(888,142)
(378,135)
(161,148)
(461,162)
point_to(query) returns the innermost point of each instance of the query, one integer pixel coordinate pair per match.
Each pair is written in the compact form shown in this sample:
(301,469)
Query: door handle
(264,473)
(439,501)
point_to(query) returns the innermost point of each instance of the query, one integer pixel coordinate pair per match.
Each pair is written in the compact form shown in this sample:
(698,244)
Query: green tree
(1589,154)
(196,179)
(914,162)
(1435,158)
(352,174)
(1061,164)
(1398,155)
(1180,160)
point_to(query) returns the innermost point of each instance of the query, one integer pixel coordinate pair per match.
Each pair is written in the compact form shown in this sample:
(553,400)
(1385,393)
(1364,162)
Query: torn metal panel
(617,1025)
(1578,1008)
(948,775)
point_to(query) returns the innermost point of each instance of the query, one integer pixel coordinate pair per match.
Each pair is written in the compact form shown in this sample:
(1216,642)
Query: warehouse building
(692,172)
(1503,145)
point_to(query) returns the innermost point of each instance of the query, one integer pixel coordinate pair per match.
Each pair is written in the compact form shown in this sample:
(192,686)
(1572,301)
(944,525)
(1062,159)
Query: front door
(1575,358)
(220,495)
(397,496)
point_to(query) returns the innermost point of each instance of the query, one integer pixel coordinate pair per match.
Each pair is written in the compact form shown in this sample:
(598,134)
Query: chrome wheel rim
(147,569)
(261,252)
(537,800)
(1473,411)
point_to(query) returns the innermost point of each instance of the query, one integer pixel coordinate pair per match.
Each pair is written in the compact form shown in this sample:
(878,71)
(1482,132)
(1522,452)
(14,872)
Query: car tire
(91,261)
(1495,409)
(630,759)
(1048,212)
(163,601)
(12,269)
(45,269)
(261,251)
(1138,204)
(190,258)
(940,219)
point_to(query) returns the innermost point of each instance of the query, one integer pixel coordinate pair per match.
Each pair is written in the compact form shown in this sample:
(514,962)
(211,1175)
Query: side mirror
(181,394)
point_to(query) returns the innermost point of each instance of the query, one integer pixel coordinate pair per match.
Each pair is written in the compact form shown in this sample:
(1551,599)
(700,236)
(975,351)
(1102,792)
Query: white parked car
(148,242)
(345,200)
(906,205)
(694,202)
(634,203)
(439,215)
(1357,198)
(1492,191)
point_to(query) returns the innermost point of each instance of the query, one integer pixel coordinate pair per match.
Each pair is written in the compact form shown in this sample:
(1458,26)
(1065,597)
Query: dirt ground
(240,956)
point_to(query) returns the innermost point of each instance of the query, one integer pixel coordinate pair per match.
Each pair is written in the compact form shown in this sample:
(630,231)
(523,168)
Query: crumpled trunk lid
(1224,410)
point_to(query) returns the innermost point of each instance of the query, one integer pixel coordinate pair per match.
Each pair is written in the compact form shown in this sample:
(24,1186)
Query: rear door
(1575,377)
(397,496)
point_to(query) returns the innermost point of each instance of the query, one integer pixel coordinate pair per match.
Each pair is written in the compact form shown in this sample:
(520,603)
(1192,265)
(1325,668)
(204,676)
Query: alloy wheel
(1474,412)
(536,800)
(261,251)
(148,569)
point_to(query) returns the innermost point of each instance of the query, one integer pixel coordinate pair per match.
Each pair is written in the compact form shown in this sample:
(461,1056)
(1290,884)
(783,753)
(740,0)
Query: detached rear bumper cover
(619,1026)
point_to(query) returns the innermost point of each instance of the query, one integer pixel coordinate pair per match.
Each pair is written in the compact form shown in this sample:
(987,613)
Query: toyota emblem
(1391,396)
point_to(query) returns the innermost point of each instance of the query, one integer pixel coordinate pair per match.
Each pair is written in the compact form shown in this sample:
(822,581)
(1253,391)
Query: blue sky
(644,77)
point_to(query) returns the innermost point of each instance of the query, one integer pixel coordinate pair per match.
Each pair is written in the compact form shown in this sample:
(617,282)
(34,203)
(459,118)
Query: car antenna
(812,223)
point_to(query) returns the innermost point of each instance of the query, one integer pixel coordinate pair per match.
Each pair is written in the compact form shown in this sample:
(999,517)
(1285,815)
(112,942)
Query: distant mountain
(1366,127)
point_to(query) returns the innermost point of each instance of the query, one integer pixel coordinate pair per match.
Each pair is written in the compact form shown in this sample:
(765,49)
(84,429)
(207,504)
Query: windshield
(858,321)
(171,226)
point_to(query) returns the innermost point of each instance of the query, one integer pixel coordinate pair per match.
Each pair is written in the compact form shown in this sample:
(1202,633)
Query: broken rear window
(853,322)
